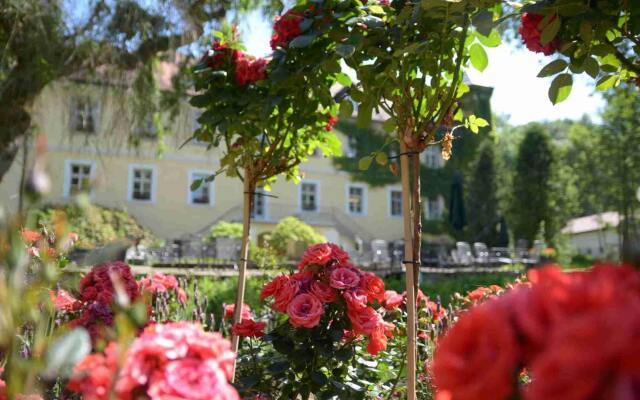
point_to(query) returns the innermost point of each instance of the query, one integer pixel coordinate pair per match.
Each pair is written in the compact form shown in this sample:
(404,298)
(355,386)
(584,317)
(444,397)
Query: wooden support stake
(408,256)
(249,187)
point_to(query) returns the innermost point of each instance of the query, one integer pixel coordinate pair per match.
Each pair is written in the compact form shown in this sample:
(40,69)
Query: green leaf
(364,115)
(345,50)
(346,109)
(550,31)
(552,68)
(586,31)
(483,22)
(373,22)
(196,184)
(560,88)
(481,122)
(364,163)
(302,41)
(375,9)
(66,351)
(343,79)
(607,82)
(479,58)
(305,24)
(493,40)
(591,67)
(382,158)
(389,125)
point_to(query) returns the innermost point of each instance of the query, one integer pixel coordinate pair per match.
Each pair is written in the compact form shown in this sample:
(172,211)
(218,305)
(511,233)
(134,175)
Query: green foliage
(482,198)
(224,229)
(531,202)
(291,230)
(445,287)
(599,39)
(95,225)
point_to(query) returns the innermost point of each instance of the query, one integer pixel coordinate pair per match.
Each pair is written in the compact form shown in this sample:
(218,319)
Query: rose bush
(323,312)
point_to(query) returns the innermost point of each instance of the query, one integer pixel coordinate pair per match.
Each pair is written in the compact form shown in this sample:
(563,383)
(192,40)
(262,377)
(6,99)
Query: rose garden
(328,327)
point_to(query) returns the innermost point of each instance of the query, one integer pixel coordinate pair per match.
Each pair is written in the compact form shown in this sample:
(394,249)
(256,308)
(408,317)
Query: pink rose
(374,286)
(392,300)
(344,278)
(305,311)
(318,254)
(364,320)
(323,292)
(229,310)
(284,296)
(191,379)
(356,299)
(64,301)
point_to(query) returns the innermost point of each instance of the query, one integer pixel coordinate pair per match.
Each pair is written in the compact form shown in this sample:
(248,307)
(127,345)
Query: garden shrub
(291,229)
(95,225)
(224,229)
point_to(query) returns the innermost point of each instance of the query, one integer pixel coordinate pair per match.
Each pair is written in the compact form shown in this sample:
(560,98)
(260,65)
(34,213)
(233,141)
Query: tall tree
(620,160)
(482,199)
(43,41)
(531,201)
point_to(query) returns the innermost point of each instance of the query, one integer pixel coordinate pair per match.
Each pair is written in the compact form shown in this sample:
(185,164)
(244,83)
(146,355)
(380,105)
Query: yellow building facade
(88,128)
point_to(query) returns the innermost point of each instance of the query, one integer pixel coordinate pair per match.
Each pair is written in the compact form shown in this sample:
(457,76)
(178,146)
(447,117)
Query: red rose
(323,292)
(531,35)
(340,256)
(477,358)
(305,311)
(356,299)
(222,55)
(344,278)
(30,236)
(374,286)
(392,300)
(248,328)
(378,338)
(592,356)
(284,296)
(332,120)
(318,254)
(273,287)
(250,70)
(286,27)
(229,310)
(364,321)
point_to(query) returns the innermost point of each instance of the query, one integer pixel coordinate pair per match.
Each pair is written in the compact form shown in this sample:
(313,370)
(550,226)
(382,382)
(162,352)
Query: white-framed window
(434,207)
(356,199)
(395,202)
(78,177)
(84,115)
(432,157)
(259,206)
(204,194)
(142,183)
(309,196)
(350,147)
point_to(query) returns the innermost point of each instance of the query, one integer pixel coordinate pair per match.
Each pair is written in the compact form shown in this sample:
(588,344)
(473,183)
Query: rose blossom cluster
(161,283)
(177,361)
(531,34)
(326,278)
(576,334)
(286,27)
(97,294)
(246,69)
(39,244)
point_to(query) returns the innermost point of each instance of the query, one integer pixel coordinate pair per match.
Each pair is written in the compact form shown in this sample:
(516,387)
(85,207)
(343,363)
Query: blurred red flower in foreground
(576,333)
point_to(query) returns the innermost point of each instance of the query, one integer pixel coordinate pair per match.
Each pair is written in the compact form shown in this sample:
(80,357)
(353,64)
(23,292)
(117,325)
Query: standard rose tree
(269,114)
(324,311)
